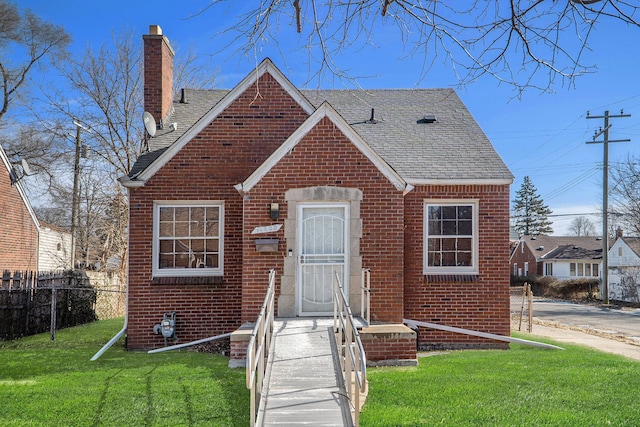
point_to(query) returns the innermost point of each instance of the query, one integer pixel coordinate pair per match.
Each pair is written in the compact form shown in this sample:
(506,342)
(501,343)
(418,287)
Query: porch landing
(305,383)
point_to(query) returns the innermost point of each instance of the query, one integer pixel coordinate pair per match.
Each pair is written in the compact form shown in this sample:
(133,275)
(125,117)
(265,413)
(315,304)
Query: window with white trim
(187,238)
(451,237)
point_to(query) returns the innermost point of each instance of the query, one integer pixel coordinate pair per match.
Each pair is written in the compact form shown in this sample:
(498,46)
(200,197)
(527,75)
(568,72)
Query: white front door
(322,236)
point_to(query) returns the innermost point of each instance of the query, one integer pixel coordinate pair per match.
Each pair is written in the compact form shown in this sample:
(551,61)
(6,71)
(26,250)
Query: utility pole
(75,197)
(605,193)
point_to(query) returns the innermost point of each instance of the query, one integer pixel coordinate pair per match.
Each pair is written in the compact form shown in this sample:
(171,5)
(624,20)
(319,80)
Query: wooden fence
(32,303)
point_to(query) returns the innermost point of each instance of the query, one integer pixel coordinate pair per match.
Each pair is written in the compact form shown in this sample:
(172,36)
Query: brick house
(562,257)
(18,222)
(266,176)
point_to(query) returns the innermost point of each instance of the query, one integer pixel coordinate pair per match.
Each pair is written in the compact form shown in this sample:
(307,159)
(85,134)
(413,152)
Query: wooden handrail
(258,348)
(353,361)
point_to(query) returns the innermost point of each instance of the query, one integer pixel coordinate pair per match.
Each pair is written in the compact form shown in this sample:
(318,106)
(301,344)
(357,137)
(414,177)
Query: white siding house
(54,252)
(571,262)
(624,269)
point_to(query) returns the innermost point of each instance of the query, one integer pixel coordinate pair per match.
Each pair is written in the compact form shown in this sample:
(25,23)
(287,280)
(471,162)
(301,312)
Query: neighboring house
(562,257)
(624,269)
(54,248)
(18,222)
(266,176)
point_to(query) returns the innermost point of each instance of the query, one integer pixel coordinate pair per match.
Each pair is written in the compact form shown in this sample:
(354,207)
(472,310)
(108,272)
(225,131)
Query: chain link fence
(34,302)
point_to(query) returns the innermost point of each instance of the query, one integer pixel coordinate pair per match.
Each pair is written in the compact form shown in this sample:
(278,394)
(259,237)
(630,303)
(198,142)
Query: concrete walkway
(305,386)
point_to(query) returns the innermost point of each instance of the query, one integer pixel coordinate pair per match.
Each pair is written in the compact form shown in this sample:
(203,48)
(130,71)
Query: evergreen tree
(530,213)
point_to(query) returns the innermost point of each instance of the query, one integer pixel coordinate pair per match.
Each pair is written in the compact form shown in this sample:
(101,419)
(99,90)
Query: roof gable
(633,243)
(325,110)
(450,149)
(164,155)
(19,189)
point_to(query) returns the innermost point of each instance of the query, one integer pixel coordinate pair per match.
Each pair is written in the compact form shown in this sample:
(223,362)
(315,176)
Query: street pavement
(611,329)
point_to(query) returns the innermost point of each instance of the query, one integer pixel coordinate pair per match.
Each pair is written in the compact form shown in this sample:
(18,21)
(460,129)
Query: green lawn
(524,386)
(45,383)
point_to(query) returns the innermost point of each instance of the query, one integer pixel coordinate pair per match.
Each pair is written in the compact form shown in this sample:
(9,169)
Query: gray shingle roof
(452,148)
(555,247)
(573,252)
(633,243)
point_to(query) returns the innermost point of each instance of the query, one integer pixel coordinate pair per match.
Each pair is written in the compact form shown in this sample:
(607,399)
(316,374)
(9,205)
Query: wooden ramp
(305,387)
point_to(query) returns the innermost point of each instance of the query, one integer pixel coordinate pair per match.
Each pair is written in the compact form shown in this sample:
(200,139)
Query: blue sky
(540,135)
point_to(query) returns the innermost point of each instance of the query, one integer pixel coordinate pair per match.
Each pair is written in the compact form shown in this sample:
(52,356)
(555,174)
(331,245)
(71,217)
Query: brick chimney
(619,233)
(158,75)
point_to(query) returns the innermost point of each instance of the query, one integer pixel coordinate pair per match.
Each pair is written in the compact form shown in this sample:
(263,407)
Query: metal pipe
(177,346)
(119,335)
(479,334)
(111,342)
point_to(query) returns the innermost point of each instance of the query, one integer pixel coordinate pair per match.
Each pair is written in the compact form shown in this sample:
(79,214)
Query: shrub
(573,289)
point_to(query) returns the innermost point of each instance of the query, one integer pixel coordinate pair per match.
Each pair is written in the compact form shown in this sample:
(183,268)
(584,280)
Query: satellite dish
(25,167)
(149,123)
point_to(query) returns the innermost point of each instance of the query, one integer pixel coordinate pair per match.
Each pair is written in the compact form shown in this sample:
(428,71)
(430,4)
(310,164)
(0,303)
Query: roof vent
(428,118)
(540,248)
(372,120)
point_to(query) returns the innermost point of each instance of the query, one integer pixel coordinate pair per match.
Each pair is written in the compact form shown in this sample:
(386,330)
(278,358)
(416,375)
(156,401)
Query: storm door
(322,236)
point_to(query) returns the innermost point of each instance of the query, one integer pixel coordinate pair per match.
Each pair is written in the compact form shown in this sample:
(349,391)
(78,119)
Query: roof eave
(465,181)
(127,182)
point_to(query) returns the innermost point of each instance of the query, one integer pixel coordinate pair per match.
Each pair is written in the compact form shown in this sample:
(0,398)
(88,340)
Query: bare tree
(523,43)
(26,41)
(582,226)
(102,92)
(624,194)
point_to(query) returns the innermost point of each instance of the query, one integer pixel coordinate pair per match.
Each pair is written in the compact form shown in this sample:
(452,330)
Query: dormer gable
(324,111)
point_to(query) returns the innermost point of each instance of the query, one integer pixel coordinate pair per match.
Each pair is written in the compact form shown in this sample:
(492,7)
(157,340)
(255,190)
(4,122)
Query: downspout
(122,331)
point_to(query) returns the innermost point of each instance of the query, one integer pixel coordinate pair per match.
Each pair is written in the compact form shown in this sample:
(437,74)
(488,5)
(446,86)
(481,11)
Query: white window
(548,269)
(572,269)
(594,270)
(515,269)
(451,237)
(526,268)
(187,238)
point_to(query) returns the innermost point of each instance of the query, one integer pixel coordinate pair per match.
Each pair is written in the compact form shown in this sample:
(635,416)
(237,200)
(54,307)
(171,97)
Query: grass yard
(524,386)
(45,383)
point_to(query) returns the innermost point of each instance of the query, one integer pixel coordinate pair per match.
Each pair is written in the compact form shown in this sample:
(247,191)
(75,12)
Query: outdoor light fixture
(274,210)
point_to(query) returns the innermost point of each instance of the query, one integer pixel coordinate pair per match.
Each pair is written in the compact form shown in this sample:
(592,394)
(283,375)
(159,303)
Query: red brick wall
(390,349)
(207,168)
(325,157)
(158,76)
(479,302)
(520,258)
(18,232)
